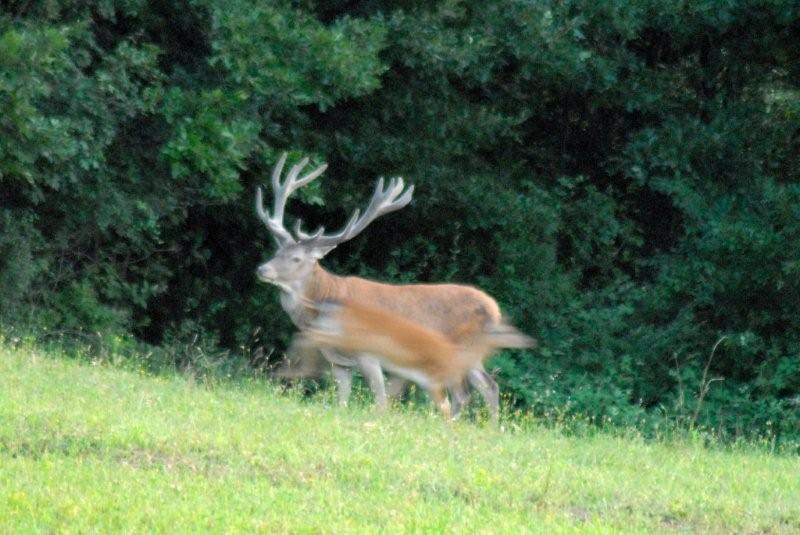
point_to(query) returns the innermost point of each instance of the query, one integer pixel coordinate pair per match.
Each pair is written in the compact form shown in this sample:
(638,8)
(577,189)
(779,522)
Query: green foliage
(278,56)
(622,176)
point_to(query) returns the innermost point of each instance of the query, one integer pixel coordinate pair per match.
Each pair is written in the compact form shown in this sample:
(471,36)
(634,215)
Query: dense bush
(622,176)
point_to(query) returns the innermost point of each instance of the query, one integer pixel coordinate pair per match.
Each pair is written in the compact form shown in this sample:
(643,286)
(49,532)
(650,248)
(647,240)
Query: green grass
(96,449)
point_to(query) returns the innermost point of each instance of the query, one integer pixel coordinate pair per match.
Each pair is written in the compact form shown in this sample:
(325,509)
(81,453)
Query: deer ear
(320,252)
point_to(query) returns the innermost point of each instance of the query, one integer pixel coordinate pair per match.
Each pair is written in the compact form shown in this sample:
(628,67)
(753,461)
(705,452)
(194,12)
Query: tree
(623,177)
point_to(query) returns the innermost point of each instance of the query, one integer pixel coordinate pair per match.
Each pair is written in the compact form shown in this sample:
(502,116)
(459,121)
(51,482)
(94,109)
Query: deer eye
(296,259)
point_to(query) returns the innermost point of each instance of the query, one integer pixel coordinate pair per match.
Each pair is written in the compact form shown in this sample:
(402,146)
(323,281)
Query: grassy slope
(86,448)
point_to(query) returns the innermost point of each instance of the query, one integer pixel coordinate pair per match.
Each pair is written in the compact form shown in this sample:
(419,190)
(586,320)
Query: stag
(456,311)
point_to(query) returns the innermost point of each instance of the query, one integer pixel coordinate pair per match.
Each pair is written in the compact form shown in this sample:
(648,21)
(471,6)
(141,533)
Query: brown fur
(354,327)
(455,310)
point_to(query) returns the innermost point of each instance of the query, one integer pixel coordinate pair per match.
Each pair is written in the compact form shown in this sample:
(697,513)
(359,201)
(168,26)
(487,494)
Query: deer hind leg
(487,386)
(460,397)
(371,368)
(437,393)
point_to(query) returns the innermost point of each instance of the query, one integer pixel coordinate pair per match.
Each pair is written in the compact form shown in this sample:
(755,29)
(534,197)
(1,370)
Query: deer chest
(293,305)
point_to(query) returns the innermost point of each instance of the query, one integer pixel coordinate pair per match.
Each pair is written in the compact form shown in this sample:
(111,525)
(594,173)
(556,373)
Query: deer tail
(504,335)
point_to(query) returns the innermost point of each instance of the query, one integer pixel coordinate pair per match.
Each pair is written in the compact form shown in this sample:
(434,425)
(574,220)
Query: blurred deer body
(454,311)
(404,347)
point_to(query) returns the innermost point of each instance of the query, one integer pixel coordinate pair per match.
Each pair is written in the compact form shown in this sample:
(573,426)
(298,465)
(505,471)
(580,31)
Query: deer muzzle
(266,273)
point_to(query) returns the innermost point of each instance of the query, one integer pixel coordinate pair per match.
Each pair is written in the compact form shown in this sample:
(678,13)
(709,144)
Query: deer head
(298,253)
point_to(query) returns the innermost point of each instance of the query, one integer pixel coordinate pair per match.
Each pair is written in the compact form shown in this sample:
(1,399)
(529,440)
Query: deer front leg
(395,386)
(342,368)
(371,368)
(302,360)
(344,382)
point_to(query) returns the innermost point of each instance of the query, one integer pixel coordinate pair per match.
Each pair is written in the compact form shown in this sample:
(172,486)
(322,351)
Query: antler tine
(310,176)
(292,183)
(382,202)
(277,170)
(281,193)
(302,236)
(348,228)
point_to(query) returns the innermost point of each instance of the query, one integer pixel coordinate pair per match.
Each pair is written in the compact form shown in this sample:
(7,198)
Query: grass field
(95,449)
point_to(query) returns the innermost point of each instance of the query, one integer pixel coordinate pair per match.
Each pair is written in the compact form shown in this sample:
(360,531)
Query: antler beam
(382,202)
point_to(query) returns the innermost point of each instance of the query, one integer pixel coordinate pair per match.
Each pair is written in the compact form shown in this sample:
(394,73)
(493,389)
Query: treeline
(622,176)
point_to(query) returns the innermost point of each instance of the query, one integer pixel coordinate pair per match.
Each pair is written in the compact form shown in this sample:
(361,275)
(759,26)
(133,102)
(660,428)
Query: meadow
(92,448)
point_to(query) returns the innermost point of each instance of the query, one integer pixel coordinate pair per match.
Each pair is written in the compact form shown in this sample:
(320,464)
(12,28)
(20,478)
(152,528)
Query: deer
(403,346)
(457,311)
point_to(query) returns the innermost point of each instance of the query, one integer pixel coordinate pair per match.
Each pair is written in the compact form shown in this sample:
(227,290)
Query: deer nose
(265,272)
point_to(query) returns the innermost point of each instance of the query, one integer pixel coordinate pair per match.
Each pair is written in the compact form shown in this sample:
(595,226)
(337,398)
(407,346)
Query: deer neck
(318,285)
(321,285)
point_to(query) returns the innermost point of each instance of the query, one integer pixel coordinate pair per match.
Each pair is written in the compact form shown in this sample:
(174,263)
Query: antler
(382,202)
(281,193)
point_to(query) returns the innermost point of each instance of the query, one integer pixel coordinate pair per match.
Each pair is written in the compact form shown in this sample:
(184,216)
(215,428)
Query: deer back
(455,310)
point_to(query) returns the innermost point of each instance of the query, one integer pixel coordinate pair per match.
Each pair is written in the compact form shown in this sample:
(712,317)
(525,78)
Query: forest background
(623,177)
